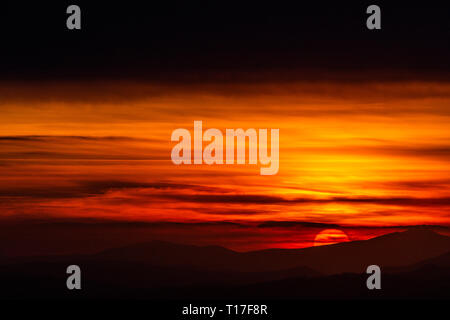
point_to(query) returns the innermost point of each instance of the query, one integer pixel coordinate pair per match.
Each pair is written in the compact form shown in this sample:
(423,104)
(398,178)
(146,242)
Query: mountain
(439,263)
(391,250)
(414,263)
(442,261)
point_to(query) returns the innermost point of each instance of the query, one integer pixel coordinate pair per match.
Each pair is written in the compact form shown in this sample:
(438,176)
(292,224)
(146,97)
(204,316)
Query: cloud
(41,138)
(102,186)
(296,224)
(130,101)
(231,211)
(88,188)
(415,184)
(263,199)
(81,148)
(307,224)
(105,222)
(438,151)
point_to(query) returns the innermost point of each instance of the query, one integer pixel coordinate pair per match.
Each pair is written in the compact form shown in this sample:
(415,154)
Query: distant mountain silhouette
(442,261)
(391,250)
(439,262)
(414,263)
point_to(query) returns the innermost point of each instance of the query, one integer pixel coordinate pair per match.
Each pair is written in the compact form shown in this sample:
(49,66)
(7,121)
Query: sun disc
(330,236)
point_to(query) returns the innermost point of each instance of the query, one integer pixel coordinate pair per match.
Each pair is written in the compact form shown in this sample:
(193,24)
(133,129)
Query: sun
(330,236)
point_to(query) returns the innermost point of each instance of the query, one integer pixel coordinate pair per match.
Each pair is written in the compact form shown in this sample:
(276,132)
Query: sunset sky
(362,148)
(354,155)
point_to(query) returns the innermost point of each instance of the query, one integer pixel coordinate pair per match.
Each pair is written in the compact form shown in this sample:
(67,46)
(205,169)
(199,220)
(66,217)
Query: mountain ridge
(391,250)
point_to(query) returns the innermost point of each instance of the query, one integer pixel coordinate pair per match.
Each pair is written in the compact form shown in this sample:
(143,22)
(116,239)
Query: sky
(370,155)
(86,122)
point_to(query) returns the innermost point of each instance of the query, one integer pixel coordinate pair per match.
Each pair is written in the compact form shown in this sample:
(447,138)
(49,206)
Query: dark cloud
(296,224)
(307,224)
(295,91)
(229,198)
(52,138)
(232,211)
(86,188)
(442,151)
(201,194)
(104,222)
(419,151)
(103,185)
(76,156)
(87,148)
(98,222)
(415,184)
(262,199)
(44,192)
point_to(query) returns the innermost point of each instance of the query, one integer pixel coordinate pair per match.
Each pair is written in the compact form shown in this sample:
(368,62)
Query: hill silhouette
(414,263)
(391,250)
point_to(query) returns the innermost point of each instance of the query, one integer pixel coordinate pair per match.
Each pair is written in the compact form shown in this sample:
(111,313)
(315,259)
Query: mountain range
(414,262)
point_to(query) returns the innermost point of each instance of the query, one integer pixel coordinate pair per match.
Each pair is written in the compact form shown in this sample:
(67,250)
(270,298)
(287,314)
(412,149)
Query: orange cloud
(365,154)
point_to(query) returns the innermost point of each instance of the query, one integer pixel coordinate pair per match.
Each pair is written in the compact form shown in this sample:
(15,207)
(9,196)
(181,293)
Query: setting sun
(330,236)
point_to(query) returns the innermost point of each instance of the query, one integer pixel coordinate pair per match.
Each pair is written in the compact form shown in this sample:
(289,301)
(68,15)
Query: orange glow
(330,236)
(350,154)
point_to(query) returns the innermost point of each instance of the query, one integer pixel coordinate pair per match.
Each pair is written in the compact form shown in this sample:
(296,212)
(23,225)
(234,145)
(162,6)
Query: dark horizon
(161,270)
